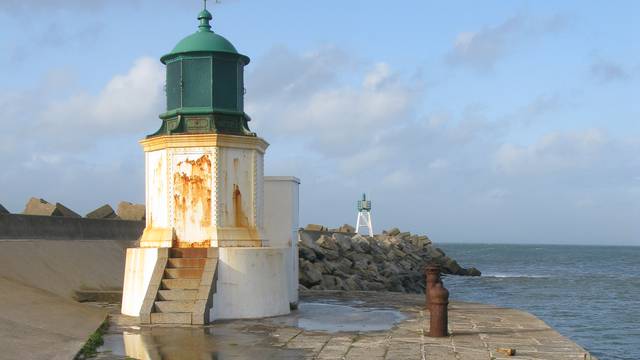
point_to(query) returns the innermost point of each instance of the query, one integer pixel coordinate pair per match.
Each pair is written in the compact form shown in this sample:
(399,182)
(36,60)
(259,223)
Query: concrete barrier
(44,261)
(65,255)
(65,266)
(17,226)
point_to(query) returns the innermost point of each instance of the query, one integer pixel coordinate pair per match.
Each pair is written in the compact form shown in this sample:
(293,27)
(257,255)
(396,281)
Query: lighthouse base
(252,283)
(199,285)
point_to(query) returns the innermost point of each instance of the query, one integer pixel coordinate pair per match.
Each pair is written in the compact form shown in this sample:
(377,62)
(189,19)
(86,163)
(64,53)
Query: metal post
(432,274)
(438,303)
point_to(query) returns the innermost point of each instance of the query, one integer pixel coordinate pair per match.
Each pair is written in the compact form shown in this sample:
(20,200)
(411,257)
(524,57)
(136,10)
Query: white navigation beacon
(364,215)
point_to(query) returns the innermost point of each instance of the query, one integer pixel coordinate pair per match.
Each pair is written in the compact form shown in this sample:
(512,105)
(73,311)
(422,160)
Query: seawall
(44,262)
(65,255)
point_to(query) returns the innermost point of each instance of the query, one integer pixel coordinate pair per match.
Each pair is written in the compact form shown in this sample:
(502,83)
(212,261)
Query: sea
(590,294)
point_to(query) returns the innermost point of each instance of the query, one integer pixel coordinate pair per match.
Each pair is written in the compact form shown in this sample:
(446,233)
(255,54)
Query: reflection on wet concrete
(179,343)
(242,339)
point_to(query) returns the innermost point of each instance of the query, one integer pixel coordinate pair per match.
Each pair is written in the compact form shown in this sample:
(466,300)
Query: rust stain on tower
(192,199)
(241,220)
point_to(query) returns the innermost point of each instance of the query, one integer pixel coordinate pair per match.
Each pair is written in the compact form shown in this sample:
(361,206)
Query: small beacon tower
(203,255)
(364,215)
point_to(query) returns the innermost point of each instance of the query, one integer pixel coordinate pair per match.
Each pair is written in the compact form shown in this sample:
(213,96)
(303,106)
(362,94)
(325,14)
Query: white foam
(512,275)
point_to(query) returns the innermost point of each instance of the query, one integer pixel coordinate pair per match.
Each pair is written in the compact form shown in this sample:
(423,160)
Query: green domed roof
(204,40)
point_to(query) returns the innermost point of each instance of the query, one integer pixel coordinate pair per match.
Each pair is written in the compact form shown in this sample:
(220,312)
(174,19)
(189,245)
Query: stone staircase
(183,294)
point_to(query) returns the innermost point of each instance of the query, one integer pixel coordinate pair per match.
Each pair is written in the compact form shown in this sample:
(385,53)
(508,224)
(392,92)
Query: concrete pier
(477,331)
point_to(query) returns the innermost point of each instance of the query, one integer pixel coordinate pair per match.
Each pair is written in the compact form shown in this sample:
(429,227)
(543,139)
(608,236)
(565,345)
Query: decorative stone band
(204,140)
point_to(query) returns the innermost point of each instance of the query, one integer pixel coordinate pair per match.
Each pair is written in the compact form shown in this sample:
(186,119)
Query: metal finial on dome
(204,17)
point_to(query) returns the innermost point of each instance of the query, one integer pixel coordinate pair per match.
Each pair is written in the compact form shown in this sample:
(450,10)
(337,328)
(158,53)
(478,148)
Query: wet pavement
(345,325)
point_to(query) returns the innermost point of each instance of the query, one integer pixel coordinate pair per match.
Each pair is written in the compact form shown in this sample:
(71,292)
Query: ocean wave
(512,275)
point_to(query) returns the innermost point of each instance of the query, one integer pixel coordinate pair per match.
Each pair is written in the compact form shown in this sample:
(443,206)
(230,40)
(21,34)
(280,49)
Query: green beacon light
(364,204)
(364,215)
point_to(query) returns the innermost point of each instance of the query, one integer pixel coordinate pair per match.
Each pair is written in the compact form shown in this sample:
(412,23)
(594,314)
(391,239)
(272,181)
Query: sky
(490,122)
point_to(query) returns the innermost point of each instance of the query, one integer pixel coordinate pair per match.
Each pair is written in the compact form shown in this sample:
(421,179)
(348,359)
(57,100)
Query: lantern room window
(196,79)
(174,85)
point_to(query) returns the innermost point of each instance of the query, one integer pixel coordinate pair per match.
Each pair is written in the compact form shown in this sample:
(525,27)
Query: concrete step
(186,262)
(179,294)
(188,252)
(175,306)
(171,318)
(183,273)
(171,284)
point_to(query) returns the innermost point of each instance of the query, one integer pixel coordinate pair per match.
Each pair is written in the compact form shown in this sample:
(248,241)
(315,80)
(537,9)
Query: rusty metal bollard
(438,303)
(432,273)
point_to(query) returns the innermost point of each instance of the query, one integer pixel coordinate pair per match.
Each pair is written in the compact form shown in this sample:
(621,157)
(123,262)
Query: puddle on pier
(239,339)
(331,317)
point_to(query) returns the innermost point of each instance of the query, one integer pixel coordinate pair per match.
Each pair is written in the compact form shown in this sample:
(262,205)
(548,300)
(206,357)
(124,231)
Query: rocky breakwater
(339,259)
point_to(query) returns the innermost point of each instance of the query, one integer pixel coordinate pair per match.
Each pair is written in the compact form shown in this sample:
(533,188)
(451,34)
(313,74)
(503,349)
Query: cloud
(542,106)
(359,131)
(498,194)
(30,6)
(309,98)
(555,152)
(604,71)
(77,147)
(398,178)
(54,34)
(281,73)
(344,126)
(482,49)
(57,35)
(129,103)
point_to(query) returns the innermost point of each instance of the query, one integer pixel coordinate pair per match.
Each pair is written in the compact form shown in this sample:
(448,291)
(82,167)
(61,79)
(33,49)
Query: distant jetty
(340,259)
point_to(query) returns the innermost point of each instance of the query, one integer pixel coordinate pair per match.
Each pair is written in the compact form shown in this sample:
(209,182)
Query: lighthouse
(203,254)
(364,215)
